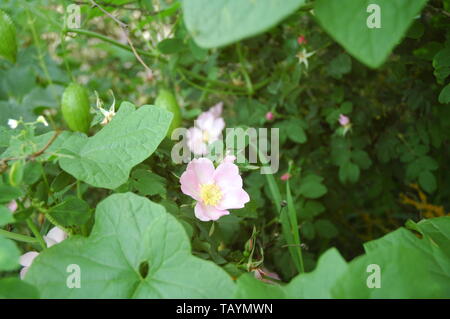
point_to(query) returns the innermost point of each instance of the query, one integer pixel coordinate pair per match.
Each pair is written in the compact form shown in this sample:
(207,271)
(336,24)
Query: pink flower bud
(343,120)
(285,177)
(12,206)
(269,116)
(301,40)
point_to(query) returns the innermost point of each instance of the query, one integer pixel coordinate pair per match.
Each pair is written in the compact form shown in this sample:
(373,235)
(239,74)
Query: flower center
(206,136)
(210,194)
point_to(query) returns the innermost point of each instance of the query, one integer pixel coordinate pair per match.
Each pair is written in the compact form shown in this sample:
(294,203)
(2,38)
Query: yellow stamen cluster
(210,194)
(206,136)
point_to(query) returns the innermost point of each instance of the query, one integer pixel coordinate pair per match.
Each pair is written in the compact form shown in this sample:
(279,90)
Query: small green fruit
(167,101)
(8,43)
(16,173)
(75,108)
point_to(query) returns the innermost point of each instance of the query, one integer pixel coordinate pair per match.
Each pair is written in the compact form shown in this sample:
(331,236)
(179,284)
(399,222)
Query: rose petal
(234,199)
(27,259)
(54,236)
(203,169)
(23,272)
(227,176)
(207,213)
(216,110)
(190,185)
(195,141)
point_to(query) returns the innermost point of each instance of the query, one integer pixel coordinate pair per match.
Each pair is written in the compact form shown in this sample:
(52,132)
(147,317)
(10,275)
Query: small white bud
(13,123)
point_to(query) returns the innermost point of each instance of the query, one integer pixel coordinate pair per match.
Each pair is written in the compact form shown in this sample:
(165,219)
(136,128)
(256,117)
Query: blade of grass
(294,227)
(288,230)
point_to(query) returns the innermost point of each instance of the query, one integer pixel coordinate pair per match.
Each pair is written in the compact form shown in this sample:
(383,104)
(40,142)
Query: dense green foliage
(373,191)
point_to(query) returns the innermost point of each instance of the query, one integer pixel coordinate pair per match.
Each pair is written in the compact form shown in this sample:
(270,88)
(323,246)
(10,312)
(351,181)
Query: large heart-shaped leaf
(220,22)
(105,160)
(346,22)
(136,250)
(317,284)
(409,267)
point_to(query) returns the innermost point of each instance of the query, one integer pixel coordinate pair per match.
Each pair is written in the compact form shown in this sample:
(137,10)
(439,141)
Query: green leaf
(148,184)
(318,283)
(311,187)
(311,209)
(340,65)
(444,96)
(295,130)
(410,268)
(249,287)
(220,22)
(8,45)
(325,228)
(72,211)
(9,254)
(348,173)
(105,160)
(362,159)
(170,46)
(14,288)
(427,181)
(441,64)
(346,22)
(6,217)
(437,230)
(135,250)
(8,193)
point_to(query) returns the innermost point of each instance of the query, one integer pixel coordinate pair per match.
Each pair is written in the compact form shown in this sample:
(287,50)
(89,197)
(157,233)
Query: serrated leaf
(72,211)
(325,228)
(129,232)
(427,181)
(346,22)
(106,159)
(348,173)
(220,22)
(444,96)
(311,187)
(8,44)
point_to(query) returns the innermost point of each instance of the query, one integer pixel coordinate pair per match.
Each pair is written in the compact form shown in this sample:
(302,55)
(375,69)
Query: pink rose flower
(343,120)
(215,189)
(269,116)
(301,40)
(207,129)
(54,236)
(285,177)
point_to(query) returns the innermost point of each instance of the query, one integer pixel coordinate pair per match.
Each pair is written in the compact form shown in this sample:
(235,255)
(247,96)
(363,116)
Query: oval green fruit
(8,43)
(75,108)
(167,101)
(16,173)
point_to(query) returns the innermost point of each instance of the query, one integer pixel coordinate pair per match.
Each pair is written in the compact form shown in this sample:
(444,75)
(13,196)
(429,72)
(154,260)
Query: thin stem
(36,233)
(244,72)
(79,195)
(18,237)
(158,57)
(55,223)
